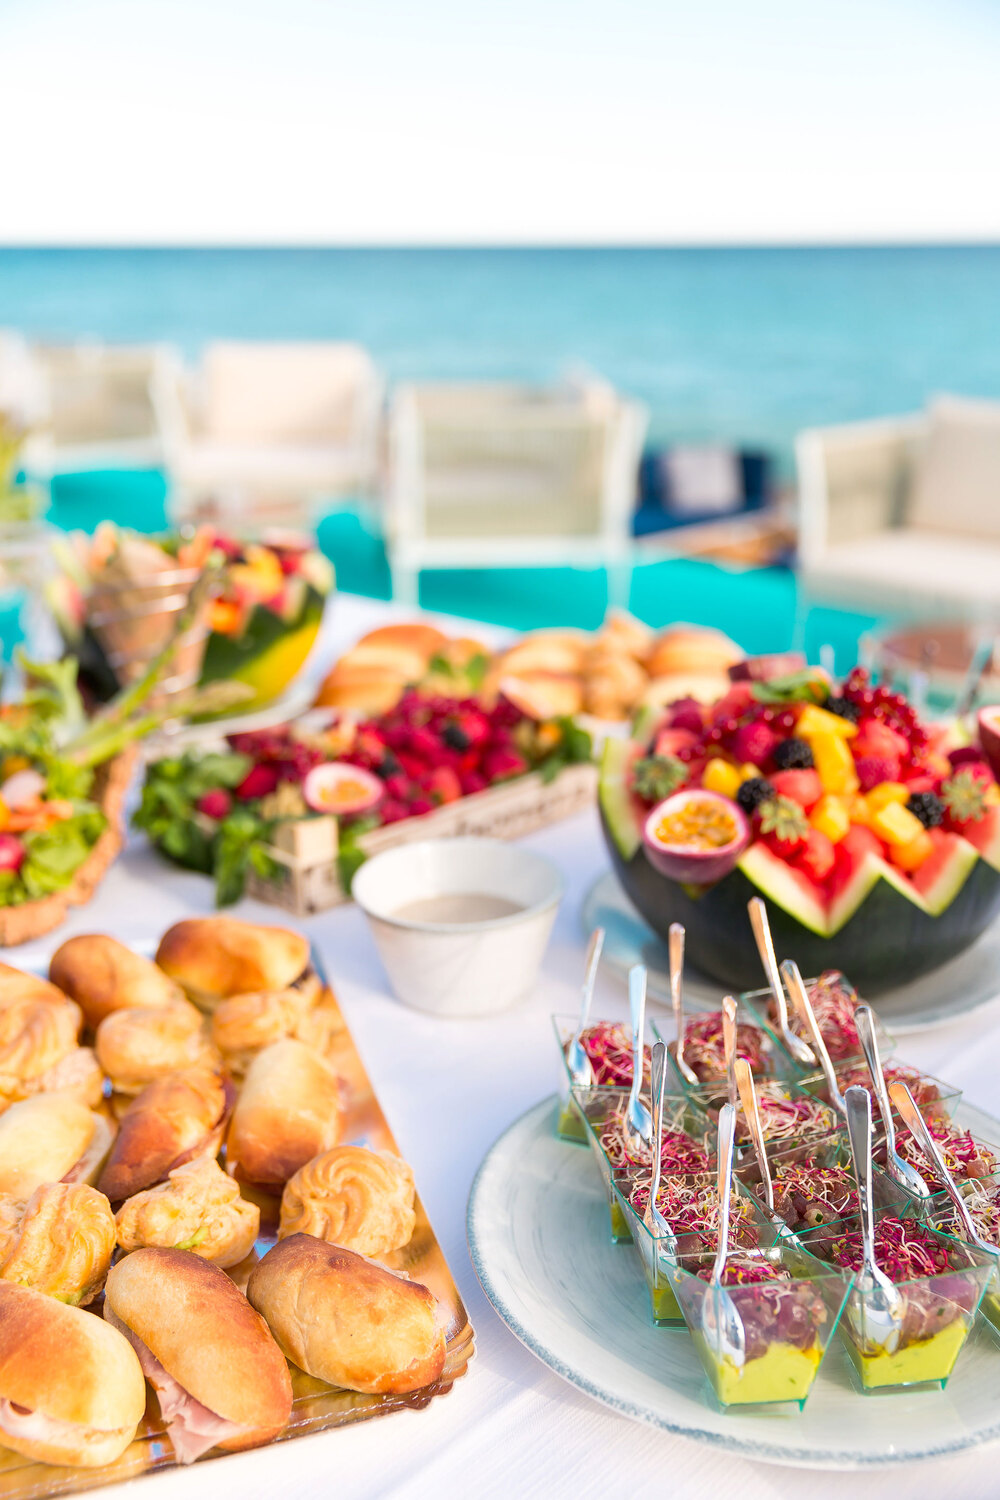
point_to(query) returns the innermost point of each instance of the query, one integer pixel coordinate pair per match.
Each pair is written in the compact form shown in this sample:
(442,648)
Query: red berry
(803,786)
(12,852)
(421,805)
(215,804)
(499,764)
(754,743)
(874,769)
(444,785)
(393,811)
(686,713)
(259,781)
(472,781)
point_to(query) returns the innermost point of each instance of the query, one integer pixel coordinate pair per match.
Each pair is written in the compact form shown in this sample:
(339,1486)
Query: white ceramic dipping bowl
(459,968)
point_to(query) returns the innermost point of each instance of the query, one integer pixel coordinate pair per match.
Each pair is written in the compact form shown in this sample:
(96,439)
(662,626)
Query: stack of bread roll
(374,674)
(123,1082)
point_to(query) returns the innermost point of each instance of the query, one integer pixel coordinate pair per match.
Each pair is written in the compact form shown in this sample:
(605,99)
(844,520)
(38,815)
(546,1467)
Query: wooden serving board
(316,1406)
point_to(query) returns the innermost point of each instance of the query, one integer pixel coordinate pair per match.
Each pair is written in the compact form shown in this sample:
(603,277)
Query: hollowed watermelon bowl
(879,923)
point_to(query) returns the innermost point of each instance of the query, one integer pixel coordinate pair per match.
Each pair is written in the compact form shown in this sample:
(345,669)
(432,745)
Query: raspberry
(793,755)
(686,714)
(259,781)
(754,743)
(874,769)
(927,807)
(215,804)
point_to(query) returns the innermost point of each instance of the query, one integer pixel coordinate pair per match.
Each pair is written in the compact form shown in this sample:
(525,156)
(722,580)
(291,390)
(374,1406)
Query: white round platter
(538,1237)
(964,985)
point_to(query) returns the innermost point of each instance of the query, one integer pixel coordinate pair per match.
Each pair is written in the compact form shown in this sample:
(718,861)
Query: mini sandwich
(71,1388)
(347,1320)
(220,1378)
(289,1110)
(136,1046)
(198,1208)
(102,976)
(60,1242)
(50,1138)
(173,1120)
(214,957)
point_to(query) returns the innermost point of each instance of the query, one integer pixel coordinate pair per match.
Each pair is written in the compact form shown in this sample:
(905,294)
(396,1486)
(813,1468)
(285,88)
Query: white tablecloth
(510,1428)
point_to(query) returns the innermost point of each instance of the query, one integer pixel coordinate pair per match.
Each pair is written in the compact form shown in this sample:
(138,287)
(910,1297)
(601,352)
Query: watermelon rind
(617,807)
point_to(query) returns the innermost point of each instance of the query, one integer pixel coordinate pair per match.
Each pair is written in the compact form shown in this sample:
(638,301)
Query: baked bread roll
(102,976)
(413,635)
(214,957)
(288,1111)
(346,1320)
(34,1036)
(368,688)
(613,684)
(71,1389)
(50,1138)
(173,1120)
(78,1074)
(560,652)
(692,648)
(16,985)
(244,1024)
(61,1243)
(136,1046)
(623,633)
(198,1208)
(220,1378)
(353,1197)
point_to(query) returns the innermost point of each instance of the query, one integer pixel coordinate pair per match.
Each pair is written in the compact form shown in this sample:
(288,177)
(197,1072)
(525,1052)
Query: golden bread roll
(198,1208)
(50,1138)
(395,660)
(71,1388)
(692,648)
(613,684)
(62,1243)
(173,1120)
(102,976)
(346,1320)
(16,985)
(543,695)
(353,1197)
(370,689)
(34,1036)
(214,957)
(426,640)
(78,1073)
(136,1046)
(559,652)
(244,1024)
(288,1111)
(220,1378)
(623,633)
(703,687)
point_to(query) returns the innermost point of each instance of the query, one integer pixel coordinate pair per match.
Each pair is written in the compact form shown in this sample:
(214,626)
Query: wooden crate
(307,849)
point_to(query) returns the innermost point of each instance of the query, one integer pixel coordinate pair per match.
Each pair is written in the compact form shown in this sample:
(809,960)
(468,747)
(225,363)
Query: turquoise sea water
(746,345)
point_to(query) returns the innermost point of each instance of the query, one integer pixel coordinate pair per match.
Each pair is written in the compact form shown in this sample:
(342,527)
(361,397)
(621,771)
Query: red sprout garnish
(681,1154)
(704,1050)
(608,1046)
(834,1001)
(787,1118)
(964,1156)
(811,1195)
(924,1090)
(904,1250)
(691,1207)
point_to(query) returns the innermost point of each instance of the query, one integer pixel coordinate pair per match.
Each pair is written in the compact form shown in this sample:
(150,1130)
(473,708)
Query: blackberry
(793,755)
(455,737)
(388,765)
(928,807)
(843,708)
(754,792)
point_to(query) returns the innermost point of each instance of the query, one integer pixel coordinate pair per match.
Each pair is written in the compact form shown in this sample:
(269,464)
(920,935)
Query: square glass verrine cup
(834,999)
(935,1099)
(789,1305)
(941,1283)
(612,1059)
(982,1197)
(819,1188)
(704,1053)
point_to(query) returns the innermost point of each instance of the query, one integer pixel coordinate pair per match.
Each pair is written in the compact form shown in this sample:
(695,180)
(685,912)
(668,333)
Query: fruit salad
(216,812)
(940,1282)
(850,816)
(788,1304)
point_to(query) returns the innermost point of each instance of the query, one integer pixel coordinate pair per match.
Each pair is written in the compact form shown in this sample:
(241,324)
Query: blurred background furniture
(904,513)
(280,428)
(488,475)
(95,406)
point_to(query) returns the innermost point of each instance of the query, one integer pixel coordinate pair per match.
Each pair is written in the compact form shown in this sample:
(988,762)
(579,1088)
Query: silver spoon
(802,1003)
(900,1170)
(720,1321)
(881,1303)
(655,1220)
(751,1113)
(638,1121)
(795,1046)
(676,946)
(729,1044)
(576,1055)
(907,1106)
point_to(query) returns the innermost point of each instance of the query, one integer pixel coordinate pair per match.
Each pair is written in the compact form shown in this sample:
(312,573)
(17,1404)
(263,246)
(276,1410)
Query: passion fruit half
(341,789)
(695,836)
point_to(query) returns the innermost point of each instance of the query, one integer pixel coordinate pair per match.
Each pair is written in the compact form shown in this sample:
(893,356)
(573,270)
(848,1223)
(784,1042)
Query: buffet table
(449,1089)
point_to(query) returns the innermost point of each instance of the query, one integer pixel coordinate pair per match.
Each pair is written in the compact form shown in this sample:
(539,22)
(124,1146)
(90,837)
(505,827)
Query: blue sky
(534,121)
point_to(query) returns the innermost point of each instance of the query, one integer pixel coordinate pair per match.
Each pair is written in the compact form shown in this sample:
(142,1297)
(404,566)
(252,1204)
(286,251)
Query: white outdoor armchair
(491,475)
(903,514)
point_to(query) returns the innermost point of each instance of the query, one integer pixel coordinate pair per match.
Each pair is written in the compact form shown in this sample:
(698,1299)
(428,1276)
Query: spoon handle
(859,1129)
(727,1136)
(802,1003)
(594,950)
(658,1066)
(676,950)
(765,947)
(907,1106)
(729,1045)
(637,1012)
(751,1113)
(865,1021)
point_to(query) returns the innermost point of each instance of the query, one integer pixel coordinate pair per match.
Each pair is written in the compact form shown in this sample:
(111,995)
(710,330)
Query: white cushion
(956,485)
(273,393)
(304,466)
(914,565)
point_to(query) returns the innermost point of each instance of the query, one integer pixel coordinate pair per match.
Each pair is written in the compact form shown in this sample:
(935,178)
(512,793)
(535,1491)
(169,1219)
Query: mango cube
(896,824)
(886,792)
(834,763)
(814,720)
(722,776)
(912,855)
(831,816)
